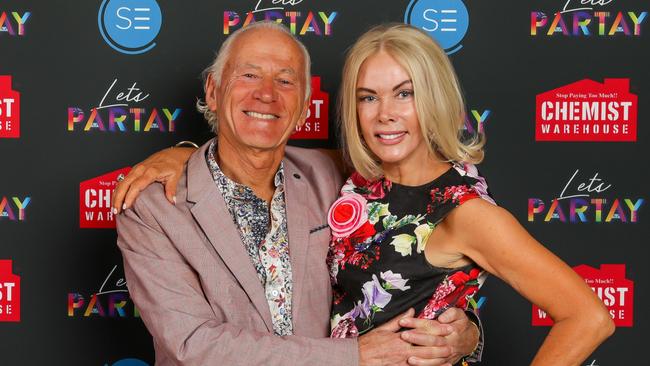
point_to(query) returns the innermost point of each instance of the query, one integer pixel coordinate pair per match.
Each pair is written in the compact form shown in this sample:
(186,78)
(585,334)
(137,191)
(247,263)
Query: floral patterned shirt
(377,263)
(264,234)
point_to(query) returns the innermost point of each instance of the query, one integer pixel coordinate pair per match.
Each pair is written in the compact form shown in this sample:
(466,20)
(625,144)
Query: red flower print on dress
(372,190)
(481,186)
(346,328)
(357,249)
(454,291)
(352,234)
(456,194)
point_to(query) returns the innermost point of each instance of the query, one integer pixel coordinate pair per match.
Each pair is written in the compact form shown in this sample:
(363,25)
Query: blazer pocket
(318,228)
(319,241)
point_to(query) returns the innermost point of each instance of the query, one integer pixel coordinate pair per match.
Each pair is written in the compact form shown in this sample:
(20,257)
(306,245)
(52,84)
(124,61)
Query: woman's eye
(367,98)
(405,93)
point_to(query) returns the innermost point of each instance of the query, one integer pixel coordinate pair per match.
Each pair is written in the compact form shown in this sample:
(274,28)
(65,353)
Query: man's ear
(305,110)
(210,93)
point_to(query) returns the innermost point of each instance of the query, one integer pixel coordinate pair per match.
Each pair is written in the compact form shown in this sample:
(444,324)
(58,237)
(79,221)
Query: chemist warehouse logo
(446,21)
(611,286)
(288,12)
(95,200)
(587,111)
(122,109)
(316,123)
(9,109)
(587,18)
(9,293)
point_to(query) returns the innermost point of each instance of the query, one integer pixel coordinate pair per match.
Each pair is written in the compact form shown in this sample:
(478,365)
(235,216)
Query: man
(234,273)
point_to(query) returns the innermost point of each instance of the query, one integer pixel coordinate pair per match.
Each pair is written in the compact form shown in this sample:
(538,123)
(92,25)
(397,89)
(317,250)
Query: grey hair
(216,68)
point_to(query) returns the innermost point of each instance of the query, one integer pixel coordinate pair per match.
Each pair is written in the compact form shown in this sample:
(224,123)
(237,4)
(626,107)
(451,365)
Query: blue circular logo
(130,26)
(446,21)
(130,362)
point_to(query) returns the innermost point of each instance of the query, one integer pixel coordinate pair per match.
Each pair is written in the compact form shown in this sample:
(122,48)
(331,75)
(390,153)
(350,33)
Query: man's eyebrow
(250,66)
(287,70)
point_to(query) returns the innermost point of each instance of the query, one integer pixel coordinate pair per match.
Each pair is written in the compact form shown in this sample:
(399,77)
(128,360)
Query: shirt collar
(231,188)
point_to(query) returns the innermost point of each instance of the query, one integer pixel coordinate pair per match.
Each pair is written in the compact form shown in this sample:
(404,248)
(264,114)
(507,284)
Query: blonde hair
(438,99)
(216,67)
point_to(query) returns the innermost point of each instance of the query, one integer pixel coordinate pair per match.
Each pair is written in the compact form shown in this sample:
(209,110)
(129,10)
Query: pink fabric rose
(347,214)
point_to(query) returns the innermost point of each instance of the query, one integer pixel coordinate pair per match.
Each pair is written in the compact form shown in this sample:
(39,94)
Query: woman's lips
(391,138)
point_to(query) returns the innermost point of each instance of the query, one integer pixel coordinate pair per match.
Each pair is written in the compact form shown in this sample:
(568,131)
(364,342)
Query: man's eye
(249,75)
(285,82)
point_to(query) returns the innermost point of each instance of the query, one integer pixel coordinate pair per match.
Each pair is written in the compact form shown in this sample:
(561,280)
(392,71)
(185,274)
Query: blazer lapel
(213,217)
(297,225)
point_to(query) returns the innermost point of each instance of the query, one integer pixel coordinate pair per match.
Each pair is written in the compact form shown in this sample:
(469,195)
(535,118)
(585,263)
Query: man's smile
(259,115)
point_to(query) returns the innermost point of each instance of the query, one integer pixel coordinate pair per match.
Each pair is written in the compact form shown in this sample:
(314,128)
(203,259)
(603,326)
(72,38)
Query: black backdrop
(62,61)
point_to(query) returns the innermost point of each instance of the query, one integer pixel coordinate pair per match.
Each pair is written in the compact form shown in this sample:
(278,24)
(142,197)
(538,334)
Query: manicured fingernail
(174,199)
(114,211)
(124,206)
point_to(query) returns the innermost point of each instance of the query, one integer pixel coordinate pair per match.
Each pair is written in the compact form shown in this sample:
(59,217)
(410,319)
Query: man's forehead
(254,47)
(252,65)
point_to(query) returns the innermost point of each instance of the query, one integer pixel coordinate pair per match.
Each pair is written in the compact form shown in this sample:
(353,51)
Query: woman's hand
(165,166)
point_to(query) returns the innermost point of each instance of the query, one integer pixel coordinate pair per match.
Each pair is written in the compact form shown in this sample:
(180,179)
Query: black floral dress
(376,257)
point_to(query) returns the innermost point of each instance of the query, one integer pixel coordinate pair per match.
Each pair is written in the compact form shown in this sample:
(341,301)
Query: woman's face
(386,109)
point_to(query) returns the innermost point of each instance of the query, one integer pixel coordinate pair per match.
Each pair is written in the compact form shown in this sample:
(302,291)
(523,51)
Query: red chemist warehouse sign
(587,111)
(9,109)
(95,201)
(316,124)
(611,286)
(9,293)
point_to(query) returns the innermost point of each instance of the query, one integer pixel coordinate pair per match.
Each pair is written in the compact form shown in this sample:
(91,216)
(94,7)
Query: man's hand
(383,345)
(452,336)
(165,166)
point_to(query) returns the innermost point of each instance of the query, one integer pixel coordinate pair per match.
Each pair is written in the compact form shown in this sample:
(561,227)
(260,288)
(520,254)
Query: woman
(405,233)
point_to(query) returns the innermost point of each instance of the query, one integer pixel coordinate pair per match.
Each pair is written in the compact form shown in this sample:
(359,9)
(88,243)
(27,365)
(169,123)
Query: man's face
(261,97)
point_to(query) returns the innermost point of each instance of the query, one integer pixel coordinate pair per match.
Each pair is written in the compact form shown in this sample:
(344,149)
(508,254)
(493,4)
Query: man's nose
(266,91)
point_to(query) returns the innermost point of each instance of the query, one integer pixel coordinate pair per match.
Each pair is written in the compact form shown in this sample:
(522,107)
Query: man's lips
(260,115)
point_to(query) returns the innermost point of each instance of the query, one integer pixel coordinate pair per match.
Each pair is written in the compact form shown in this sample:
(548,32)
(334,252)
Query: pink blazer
(197,291)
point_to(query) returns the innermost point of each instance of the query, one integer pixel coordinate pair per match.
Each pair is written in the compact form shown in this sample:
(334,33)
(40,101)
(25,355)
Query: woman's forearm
(572,340)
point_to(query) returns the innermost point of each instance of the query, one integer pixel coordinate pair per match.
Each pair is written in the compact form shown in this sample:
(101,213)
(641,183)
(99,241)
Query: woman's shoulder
(469,183)
(370,189)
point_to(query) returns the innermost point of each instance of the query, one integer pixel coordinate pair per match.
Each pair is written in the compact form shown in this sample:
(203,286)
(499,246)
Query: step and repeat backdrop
(88,88)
